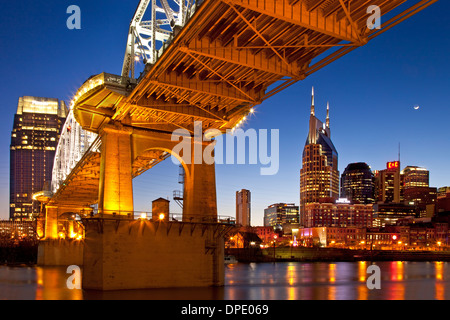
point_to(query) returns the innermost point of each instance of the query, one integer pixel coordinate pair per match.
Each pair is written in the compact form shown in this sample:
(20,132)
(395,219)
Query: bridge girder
(232,51)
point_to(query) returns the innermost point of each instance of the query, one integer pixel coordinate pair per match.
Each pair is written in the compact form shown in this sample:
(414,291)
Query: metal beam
(298,14)
(183,109)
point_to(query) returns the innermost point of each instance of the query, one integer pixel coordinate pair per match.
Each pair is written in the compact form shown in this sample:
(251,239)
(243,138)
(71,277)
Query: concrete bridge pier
(123,253)
(141,254)
(115,183)
(199,195)
(62,237)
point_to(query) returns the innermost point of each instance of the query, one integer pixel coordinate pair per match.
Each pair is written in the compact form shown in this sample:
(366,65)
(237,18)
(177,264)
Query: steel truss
(146,39)
(73,143)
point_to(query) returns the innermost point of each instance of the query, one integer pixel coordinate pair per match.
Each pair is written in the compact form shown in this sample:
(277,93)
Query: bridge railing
(142,215)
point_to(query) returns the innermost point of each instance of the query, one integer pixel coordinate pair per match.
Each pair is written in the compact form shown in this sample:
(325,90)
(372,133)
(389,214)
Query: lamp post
(274,242)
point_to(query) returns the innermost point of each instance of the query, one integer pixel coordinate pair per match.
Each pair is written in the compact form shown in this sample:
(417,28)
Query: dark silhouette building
(357,183)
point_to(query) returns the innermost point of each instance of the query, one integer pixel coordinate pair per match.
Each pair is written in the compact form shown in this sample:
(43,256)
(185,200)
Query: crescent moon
(416,107)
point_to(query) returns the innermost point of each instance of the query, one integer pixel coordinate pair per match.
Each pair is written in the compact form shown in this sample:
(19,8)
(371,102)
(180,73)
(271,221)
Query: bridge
(207,65)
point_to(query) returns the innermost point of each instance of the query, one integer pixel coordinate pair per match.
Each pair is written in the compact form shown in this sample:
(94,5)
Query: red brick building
(338,215)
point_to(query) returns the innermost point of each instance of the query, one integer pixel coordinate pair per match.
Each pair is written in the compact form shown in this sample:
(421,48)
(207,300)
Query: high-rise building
(443,192)
(388,183)
(34,138)
(443,199)
(243,207)
(319,175)
(278,214)
(424,198)
(415,177)
(357,183)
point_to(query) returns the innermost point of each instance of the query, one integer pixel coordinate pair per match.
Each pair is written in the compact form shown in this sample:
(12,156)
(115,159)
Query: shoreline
(333,255)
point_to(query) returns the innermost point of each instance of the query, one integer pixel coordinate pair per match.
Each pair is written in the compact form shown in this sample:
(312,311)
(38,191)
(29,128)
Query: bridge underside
(232,52)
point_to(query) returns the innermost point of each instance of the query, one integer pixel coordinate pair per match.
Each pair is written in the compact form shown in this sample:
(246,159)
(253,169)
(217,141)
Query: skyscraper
(416,189)
(319,175)
(34,138)
(243,207)
(415,177)
(388,183)
(357,183)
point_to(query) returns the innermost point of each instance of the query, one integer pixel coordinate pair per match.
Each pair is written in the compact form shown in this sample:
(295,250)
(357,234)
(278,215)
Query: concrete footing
(140,254)
(60,253)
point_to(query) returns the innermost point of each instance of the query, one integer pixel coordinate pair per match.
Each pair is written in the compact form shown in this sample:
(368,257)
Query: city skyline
(368,134)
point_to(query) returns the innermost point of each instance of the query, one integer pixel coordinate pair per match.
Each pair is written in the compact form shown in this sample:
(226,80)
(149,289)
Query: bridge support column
(51,222)
(115,184)
(199,199)
(61,245)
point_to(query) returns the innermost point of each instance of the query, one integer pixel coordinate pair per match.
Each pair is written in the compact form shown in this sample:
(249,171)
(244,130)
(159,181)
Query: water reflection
(255,281)
(35,283)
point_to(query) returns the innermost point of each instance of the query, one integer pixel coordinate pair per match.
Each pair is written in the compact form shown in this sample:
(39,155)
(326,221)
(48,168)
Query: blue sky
(372,93)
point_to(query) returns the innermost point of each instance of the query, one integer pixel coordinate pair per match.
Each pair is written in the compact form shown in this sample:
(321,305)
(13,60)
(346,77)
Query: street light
(274,242)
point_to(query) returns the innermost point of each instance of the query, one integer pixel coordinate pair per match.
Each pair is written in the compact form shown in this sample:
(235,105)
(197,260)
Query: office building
(385,214)
(279,214)
(357,183)
(443,199)
(338,215)
(414,177)
(243,208)
(443,192)
(34,138)
(319,175)
(388,183)
(424,198)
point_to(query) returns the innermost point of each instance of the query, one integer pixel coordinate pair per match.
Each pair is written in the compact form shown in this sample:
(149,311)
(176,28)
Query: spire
(328,115)
(312,103)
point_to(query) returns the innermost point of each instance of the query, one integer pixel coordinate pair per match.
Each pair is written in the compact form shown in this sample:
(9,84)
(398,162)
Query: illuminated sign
(393,165)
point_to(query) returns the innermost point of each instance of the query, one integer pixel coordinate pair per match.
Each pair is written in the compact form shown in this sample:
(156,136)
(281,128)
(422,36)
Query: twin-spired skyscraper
(319,176)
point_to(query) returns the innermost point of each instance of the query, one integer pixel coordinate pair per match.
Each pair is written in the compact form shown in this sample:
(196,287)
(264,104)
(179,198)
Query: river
(255,281)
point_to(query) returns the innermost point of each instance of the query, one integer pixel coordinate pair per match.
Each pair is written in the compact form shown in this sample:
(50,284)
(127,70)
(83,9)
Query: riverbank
(333,255)
(12,253)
